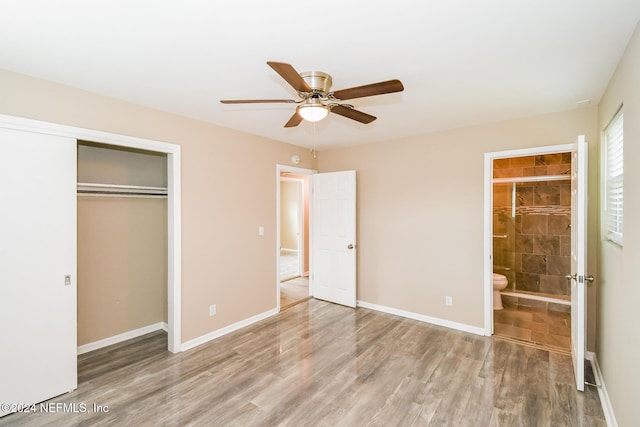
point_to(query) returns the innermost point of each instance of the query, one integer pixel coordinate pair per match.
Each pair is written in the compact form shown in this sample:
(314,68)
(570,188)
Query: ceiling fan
(317,99)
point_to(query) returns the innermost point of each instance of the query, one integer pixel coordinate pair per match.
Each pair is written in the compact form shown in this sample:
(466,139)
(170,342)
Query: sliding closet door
(37,267)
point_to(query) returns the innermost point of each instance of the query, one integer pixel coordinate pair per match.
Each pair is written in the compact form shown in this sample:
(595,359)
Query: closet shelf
(532,179)
(117,190)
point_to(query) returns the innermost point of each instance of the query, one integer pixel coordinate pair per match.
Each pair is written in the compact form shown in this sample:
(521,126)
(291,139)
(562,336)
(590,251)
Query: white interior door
(578,258)
(334,237)
(38,264)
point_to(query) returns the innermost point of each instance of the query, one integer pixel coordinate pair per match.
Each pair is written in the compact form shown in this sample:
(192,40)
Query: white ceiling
(462,62)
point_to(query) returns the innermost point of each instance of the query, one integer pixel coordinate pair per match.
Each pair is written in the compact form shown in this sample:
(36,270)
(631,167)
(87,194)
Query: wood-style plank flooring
(320,364)
(293,292)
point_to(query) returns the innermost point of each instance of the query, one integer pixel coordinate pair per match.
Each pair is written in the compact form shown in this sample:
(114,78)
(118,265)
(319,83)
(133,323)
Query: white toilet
(499,283)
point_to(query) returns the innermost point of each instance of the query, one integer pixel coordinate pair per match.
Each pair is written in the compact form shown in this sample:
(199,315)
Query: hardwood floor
(320,364)
(293,292)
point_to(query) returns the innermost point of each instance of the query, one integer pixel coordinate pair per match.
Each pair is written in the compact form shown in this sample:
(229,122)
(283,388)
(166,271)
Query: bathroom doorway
(530,246)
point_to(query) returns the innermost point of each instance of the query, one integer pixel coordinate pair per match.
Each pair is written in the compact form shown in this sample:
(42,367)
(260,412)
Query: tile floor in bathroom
(539,326)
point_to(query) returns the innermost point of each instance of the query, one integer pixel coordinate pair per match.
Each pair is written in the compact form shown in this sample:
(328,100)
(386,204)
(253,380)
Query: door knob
(571,276)
(350,246)
(589,278)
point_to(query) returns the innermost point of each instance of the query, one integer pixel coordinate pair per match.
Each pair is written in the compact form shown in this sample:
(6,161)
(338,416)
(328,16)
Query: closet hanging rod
(124,196)
(90,188)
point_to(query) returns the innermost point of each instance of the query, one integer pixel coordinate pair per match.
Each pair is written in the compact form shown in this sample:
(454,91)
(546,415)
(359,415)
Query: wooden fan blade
(292,77)
(353,114)
(255,101)
(390,86)
(294,121)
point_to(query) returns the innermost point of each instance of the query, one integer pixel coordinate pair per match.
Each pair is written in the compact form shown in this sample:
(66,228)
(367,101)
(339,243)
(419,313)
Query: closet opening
(122,226)
(43,158)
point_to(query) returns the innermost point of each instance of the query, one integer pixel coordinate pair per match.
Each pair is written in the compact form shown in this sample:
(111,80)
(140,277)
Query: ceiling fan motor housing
(318,81)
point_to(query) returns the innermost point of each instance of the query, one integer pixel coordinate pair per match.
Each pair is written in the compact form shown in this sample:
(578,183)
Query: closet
(122,242)
(83,265)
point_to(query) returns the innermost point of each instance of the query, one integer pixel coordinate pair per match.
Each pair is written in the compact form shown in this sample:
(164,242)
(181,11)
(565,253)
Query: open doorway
(532,249)
(294,227)
(531,185)
(571,229)
(293,254)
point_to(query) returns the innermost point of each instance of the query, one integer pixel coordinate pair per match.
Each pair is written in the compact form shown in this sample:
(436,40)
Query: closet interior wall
(122,243)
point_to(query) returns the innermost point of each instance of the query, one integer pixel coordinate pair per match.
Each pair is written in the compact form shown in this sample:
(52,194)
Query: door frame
(280,169)
(488,216)
(174,205)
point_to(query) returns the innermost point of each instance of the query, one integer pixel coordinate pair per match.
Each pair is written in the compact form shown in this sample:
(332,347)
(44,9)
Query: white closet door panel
(38,267)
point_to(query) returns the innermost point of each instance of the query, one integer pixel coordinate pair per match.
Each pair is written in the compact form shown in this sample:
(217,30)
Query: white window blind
(614,178)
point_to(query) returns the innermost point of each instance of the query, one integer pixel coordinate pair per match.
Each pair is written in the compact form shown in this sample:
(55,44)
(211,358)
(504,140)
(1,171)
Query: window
(613,198)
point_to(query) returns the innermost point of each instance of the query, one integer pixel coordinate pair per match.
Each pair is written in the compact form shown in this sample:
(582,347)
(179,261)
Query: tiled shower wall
(535,246)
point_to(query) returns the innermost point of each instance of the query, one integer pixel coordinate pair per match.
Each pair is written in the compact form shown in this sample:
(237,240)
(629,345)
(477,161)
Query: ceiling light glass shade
(313,110)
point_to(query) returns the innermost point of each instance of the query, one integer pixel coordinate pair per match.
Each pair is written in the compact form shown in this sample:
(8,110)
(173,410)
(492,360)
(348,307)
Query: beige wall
(618,279)
(420,211)
(122,265)
(220,217)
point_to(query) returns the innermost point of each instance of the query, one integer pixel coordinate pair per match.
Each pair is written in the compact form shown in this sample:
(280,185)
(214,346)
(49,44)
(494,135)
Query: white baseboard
(421,317)
(227,330)
(290,250)
(85,348)
(602,390)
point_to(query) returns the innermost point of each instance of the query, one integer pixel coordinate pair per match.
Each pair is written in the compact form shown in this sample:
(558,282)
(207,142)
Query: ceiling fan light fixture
(313,110)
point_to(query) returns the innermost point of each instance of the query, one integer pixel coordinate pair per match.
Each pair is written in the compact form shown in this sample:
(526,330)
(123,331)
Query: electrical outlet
(448,301)
(212,310)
